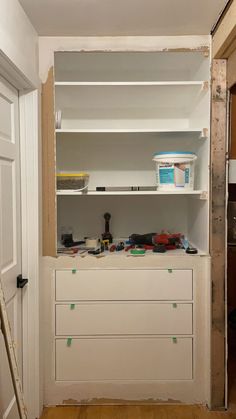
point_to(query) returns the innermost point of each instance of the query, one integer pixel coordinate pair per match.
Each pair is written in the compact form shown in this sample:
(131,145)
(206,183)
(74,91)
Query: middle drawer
(121,318)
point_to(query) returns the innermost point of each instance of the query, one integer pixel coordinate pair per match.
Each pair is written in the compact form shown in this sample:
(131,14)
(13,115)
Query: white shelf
(124,254)
(201,194)
(132,83)
(132,107)
(145,95)
(202,132)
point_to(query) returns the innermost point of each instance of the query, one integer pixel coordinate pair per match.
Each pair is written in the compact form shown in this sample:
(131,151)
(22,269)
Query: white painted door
(10,239)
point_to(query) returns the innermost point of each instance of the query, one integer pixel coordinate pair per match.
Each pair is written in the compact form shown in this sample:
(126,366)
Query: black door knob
(21,282)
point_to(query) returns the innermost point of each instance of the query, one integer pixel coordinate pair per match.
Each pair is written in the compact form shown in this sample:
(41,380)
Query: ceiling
(122,17)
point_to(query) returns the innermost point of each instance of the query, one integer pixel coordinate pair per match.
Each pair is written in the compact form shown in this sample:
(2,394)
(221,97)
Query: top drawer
(124,284)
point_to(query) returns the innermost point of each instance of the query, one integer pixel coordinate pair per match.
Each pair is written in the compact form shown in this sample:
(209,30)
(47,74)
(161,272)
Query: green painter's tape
(74,271)
(69,341)
(170,271)
(174,340)
(72,306)
(174,305)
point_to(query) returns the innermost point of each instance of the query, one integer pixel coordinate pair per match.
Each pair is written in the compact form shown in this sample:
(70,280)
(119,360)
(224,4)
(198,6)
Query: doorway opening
(231,253)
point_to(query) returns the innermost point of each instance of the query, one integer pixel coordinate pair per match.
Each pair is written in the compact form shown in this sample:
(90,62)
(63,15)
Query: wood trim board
(224,38)
(49,167)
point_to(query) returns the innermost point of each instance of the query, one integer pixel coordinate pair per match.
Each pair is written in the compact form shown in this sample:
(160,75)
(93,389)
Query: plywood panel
(217,229)
(49,165)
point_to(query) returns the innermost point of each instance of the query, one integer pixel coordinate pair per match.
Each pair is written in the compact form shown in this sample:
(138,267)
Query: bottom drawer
(92,359)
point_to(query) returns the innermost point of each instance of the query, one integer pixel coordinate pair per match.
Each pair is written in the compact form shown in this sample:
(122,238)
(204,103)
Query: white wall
(18,39)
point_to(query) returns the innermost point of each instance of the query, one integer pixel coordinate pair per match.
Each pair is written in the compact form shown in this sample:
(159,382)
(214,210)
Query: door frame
(29,105)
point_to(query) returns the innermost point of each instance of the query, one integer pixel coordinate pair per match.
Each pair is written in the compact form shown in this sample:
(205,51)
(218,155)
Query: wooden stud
(49,167)
(217,230)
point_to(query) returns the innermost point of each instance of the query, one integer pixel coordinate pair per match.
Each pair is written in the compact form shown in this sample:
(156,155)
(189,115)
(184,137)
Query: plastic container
(72,181)
(175,170)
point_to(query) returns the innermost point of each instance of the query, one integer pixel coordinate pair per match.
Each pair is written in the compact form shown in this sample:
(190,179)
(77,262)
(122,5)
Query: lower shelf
(100,359)
(198,193)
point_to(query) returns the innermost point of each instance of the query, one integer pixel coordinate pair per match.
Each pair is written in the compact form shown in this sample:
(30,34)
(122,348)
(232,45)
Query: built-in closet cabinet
(119,327)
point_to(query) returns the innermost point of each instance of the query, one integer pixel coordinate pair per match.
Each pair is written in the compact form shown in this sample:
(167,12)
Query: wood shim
(49,167)
(11,355)
(217,230)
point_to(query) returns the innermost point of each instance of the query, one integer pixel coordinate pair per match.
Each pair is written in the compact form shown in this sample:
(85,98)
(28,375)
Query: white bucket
(175,170)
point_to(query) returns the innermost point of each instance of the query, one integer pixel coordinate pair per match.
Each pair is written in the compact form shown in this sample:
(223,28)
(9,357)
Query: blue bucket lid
(173,152)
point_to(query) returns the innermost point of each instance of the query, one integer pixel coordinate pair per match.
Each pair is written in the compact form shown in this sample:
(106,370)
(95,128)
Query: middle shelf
(153,105)
(125,160)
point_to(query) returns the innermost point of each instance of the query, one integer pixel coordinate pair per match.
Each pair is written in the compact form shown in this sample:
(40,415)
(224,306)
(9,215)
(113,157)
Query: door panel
(10,238)
(6,120)
(8,216)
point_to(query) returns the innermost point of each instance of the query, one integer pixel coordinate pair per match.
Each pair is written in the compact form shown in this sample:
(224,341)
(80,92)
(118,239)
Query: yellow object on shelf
(72,181)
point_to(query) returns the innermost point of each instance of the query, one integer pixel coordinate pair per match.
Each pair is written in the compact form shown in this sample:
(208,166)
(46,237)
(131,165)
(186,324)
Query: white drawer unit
(124,284)
(123,318)
(89,359)
(127,324)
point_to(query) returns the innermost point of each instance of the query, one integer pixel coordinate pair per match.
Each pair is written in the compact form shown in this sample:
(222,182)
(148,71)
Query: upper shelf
(195,133)
(130,66)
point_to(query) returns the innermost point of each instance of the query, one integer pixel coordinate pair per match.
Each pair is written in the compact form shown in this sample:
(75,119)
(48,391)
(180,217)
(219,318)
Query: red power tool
(150,240)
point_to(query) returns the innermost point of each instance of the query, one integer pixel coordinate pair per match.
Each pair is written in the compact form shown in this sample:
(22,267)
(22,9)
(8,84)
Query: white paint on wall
(48,45)
(18,39)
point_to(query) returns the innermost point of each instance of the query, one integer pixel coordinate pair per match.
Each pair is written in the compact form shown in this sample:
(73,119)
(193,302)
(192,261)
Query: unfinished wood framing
(49,167)
(217,230)
(224,39)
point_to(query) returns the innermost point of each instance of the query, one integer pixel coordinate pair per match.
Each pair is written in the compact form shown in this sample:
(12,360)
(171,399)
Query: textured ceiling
(122,17)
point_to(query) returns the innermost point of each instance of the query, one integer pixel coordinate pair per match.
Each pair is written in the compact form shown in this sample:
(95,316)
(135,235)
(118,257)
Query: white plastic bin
(175,169)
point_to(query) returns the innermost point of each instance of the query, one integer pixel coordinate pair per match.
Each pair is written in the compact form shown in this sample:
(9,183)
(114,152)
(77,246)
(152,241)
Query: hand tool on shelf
(107,235)
(68,241)
(162,241)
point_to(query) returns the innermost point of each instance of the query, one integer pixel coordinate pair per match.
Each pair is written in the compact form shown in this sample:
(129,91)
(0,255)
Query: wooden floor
(134,412)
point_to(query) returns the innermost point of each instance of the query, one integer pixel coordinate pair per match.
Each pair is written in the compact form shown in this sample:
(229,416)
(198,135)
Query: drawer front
(123,359)
(123,318)
(114,284)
